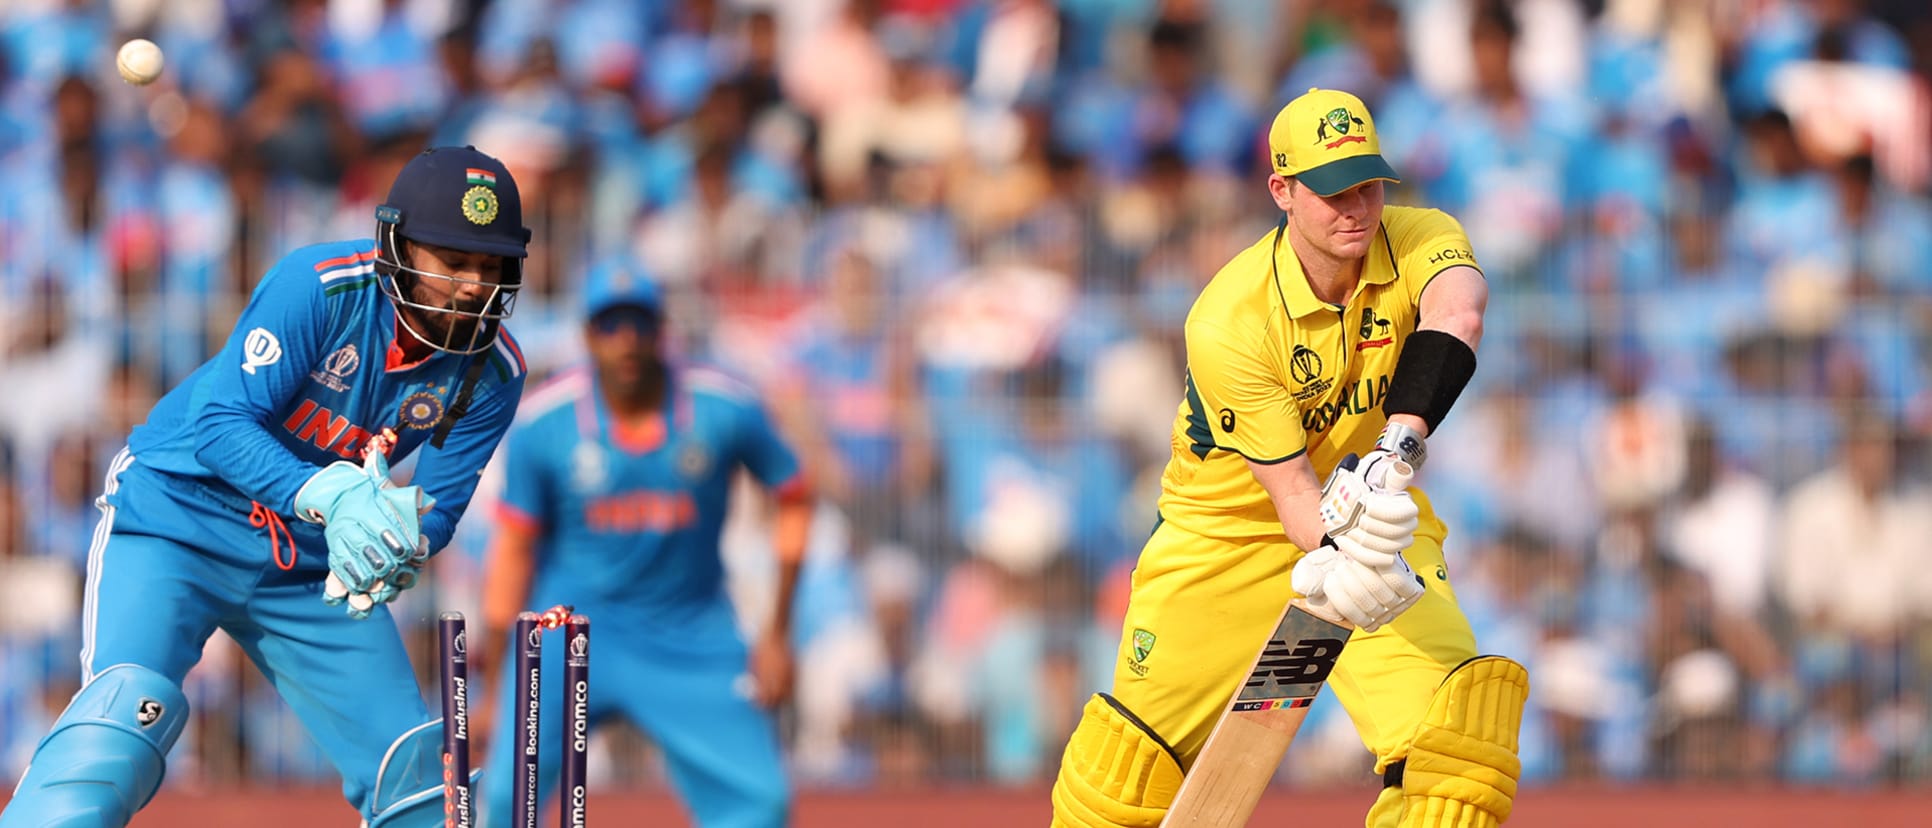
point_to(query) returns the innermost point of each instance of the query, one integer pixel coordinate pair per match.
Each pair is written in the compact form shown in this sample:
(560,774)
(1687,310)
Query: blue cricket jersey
(632,522)
(309,373)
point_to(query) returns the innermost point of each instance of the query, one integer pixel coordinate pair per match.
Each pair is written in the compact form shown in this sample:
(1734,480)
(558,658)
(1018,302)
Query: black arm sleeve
(1429,376)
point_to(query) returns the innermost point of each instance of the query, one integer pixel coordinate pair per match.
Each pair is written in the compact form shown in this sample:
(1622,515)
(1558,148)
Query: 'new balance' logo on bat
(1307,661)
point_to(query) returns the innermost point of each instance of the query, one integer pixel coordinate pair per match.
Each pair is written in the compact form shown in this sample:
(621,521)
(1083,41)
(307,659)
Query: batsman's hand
(1371,524)
(772,670)
(1338,588)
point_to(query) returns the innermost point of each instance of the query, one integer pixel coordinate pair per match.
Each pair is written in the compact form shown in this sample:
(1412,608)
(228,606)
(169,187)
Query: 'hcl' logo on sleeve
(316,424)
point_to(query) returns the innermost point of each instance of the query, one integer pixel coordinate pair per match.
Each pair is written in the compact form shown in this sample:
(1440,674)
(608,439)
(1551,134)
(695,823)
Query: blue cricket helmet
(461,199)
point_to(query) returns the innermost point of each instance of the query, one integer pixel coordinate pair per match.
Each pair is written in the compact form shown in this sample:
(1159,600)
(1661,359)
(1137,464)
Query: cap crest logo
(479,205)
(1342,122)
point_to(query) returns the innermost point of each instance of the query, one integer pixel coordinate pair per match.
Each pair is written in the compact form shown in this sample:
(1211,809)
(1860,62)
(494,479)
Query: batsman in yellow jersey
(1350,329)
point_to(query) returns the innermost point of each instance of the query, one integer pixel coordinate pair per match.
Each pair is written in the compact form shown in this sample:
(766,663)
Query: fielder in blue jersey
(616,483)
(256,498)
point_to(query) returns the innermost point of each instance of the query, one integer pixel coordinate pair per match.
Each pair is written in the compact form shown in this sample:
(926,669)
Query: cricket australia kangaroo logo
(1339,120)
(1143,642)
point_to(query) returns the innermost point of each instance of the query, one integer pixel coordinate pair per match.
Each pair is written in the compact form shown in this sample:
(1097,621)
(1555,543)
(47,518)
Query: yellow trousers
(1201,608)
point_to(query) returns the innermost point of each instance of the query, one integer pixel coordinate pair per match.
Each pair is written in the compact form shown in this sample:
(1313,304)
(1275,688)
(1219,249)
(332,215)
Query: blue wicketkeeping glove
(374,531)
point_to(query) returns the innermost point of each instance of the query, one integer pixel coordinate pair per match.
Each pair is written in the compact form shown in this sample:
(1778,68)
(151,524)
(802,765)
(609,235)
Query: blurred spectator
(384,66)
(1864,586)
(1506,151)
(856,406)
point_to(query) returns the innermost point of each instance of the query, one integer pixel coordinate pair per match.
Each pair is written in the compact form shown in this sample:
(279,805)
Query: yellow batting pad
(1462,767)
(1114,772)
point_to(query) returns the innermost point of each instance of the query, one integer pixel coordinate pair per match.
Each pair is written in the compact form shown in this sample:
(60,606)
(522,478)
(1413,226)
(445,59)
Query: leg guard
(409,785)
(106,755)
(1116,771)
(1462,767)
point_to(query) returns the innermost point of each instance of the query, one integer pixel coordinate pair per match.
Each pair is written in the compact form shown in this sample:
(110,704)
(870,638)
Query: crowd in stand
(952,241)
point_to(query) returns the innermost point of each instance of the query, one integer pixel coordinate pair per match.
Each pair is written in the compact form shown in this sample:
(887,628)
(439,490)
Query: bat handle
(1398,476)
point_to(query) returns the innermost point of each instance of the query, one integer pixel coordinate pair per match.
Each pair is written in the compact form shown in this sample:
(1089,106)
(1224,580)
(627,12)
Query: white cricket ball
(139,61)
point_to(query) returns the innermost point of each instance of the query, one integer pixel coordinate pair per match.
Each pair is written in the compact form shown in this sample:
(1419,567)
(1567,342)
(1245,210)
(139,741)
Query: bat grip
(1398,476)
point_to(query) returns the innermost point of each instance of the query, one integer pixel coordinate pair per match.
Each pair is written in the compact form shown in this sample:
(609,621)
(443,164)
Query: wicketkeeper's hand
(374,531)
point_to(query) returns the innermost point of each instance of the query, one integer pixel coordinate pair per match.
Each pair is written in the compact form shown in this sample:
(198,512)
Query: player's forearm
(241,452)
(1297,496)
(1301,518)
(791,529)
(507,570)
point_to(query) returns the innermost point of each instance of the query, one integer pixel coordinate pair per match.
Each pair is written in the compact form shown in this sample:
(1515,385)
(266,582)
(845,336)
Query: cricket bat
(1245,749)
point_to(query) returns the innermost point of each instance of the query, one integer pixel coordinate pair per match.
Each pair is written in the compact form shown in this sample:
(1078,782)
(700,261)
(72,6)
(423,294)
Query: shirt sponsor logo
(260,349)
(641,511)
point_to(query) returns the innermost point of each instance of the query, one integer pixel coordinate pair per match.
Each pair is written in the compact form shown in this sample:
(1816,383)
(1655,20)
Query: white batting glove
(1370,523)
(1340,589)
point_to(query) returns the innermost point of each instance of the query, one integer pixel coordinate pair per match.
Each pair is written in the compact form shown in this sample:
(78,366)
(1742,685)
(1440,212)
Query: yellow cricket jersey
(1273,372)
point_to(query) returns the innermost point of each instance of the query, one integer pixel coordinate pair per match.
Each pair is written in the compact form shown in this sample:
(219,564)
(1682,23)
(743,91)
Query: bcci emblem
(421,410)
(1339,120)
(479,205)
(692,461)
(1304,364)
(587,468)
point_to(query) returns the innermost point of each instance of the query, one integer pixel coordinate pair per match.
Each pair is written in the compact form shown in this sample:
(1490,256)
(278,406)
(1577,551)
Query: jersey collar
(1291,284)
(394,357)
(594,420)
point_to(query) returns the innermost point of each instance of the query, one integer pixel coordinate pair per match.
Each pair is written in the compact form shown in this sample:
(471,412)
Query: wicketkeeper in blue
(257,499)
(616,483)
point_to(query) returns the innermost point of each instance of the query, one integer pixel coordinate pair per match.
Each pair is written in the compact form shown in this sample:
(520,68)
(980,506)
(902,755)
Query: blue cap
(614,283)
(459,198)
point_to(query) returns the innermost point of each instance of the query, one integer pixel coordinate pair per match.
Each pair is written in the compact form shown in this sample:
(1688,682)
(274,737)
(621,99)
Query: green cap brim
(1336,176)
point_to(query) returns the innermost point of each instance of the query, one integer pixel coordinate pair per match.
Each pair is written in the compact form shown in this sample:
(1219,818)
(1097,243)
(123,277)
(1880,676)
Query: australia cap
(1326,139)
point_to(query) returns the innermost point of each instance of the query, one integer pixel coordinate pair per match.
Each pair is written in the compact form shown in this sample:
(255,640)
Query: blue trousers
(171,563)
(720,748)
